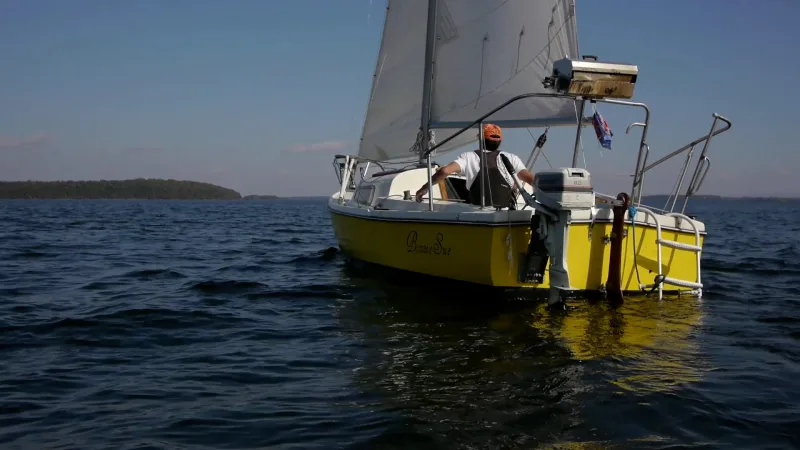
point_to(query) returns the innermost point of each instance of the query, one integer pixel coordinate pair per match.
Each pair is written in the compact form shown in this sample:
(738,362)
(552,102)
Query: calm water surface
(149,324)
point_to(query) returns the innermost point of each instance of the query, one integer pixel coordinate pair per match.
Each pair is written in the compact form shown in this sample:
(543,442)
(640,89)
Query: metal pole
(430,185)
(430,42)
(690,144)
(427,85)
(680,180)
(576,152)
(532,159)
(463,129)
(482,170)
(638,177)
(699,166)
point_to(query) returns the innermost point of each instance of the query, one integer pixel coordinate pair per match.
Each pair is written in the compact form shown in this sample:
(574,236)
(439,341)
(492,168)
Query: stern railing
(698,177)
(700,170)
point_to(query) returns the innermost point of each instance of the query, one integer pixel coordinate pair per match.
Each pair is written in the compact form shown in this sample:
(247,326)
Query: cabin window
(456,188)
(364,194)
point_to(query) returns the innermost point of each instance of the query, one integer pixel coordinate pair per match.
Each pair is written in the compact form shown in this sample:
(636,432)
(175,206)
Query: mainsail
(486,52)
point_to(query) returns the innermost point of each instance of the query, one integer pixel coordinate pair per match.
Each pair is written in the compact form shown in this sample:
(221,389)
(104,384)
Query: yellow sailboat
(446,68)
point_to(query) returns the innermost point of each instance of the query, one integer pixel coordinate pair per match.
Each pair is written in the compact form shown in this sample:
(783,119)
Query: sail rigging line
(483,62)
(673,191)
(583,155)
(372,92)
(550,38)
(572,13)
(541,150)
(375,76)
(528,64)
(486,14)
(519,49)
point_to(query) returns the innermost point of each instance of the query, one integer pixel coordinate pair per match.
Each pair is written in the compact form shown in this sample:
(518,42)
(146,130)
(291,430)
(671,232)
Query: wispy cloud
(14,142)
(327,146)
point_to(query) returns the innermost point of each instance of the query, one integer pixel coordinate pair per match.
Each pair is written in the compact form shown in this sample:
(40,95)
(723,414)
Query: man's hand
(422,191)
(526,176)
(440,175)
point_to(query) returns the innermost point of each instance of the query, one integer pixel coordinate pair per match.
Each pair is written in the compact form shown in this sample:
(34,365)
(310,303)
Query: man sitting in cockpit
(499,186)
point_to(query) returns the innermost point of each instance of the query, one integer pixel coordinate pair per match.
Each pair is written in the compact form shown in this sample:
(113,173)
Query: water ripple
(158,324)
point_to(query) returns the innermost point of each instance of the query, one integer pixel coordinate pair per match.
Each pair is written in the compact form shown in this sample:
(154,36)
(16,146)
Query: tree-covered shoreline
(260,197)
(140,188)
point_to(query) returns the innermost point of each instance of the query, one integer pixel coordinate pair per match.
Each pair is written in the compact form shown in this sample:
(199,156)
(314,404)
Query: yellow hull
(484,254)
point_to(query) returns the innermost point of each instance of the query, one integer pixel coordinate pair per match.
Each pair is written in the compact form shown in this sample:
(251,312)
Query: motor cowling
(564,189)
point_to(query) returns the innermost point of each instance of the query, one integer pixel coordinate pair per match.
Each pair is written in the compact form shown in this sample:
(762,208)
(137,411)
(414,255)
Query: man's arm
(526,176)
(523,173)
(440,175)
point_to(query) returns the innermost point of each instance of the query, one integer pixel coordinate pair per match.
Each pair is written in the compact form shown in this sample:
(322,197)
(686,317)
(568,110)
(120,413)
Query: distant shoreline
(131,189)
(260,197)
(171,189)
(721,197)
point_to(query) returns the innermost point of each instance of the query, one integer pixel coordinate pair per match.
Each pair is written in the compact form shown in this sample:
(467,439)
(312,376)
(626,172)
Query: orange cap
(491,132)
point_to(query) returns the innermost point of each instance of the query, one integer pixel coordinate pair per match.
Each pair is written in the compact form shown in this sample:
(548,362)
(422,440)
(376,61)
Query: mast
(430,42)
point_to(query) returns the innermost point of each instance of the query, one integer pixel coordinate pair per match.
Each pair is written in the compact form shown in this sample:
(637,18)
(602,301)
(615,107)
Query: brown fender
(614,282)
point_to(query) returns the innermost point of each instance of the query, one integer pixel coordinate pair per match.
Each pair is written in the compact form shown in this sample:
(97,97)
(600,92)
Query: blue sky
(259,95)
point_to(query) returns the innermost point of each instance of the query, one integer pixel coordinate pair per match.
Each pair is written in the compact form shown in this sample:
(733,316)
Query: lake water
(199,325)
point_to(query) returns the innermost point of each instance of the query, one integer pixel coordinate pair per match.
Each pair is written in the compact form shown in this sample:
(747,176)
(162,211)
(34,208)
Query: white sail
(395,106)
(487,51)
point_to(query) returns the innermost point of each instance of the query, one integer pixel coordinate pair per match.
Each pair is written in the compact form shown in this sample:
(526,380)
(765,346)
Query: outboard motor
(556,194)
(567,189)
(561,191)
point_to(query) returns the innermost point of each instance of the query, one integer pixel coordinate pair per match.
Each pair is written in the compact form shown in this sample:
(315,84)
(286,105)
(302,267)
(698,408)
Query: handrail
(503,105)
(636,199)
(703,165)
(659,258)
(360,158)
(551,95)
(644,149)
(700,170)
(638,177)
(681,178)
(634,124)
(693,143)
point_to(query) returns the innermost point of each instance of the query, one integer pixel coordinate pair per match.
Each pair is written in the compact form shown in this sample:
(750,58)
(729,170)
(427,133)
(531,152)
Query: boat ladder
(697,285)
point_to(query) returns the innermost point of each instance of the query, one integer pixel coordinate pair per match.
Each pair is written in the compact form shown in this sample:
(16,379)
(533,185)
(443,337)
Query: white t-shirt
(470,164)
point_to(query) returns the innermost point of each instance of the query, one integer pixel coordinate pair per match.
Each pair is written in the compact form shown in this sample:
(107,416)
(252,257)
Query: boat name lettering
(436,248)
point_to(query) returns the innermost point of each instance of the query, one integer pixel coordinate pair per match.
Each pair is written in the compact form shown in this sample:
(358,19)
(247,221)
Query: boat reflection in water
(454,361)
(651,343)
